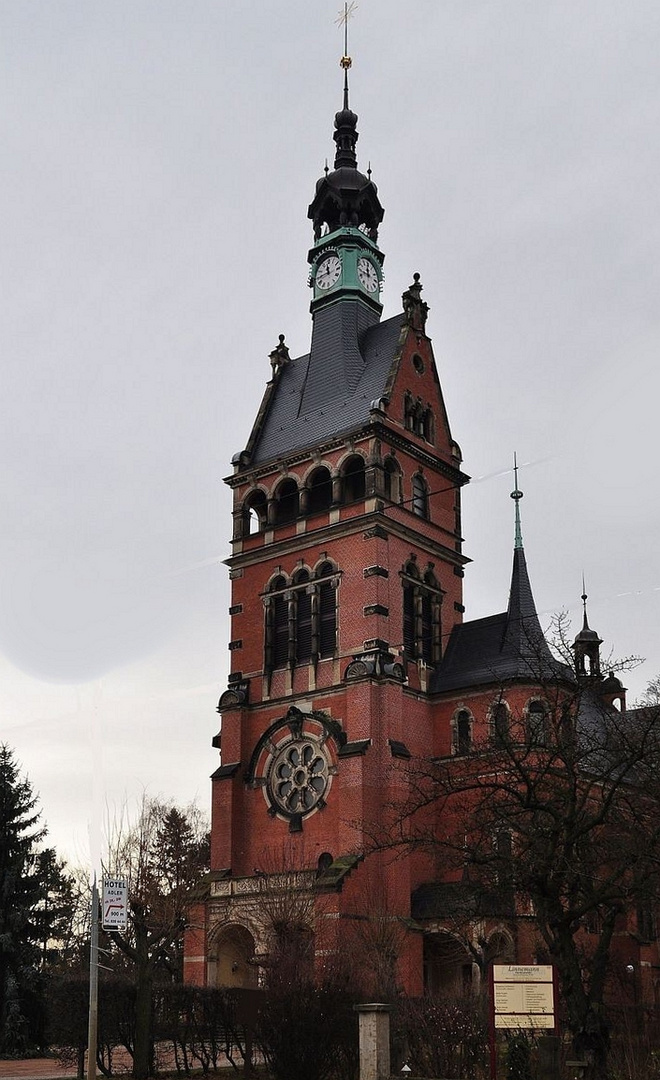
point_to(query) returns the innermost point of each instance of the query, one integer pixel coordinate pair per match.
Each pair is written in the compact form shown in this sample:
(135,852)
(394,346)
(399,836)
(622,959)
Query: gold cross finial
(342,20)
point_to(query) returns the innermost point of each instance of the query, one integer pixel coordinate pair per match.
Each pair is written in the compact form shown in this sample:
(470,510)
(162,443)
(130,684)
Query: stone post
(374,1041)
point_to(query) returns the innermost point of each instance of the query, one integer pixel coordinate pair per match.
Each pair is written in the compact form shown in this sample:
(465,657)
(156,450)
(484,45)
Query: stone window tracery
(294,762)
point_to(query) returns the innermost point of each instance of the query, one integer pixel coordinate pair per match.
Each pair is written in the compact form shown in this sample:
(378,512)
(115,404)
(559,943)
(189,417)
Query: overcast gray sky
(158,160)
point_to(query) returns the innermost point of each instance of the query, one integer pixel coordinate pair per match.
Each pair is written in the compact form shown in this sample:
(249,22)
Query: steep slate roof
(500,647)
(331,389)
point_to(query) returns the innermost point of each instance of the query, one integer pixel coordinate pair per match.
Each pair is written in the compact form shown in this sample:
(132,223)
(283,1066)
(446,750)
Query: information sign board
(114,904)
(523,996)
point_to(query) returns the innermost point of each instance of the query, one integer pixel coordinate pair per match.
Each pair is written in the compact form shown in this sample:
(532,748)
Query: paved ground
(34,1069)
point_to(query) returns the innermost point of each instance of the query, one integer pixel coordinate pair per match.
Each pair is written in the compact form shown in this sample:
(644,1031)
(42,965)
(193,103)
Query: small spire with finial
(346,61)
(585,625)
(517,495)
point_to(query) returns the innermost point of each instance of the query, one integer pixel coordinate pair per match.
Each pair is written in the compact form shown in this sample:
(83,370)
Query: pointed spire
(345,197)
(346,62)
(517,495)
(586,633)
(523,637)
(585,624)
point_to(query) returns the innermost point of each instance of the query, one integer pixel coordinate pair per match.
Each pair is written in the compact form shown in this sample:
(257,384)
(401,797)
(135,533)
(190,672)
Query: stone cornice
(339,530)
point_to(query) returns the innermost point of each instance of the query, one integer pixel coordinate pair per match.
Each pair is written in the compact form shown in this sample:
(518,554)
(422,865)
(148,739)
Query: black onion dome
(346,197)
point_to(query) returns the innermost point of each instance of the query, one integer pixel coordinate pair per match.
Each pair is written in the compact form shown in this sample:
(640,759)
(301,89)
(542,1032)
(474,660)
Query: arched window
(327,611)
(409,620)
(303,601)
(420,500)
(320,491)
(279,624)
(428,426)
(354,484)
(418,418)
(254,513)
(463,732)
(537,723)
(392,479)
(301,618)
(421,615)
(499,723)
(323,863)
(286,502)
(427,627)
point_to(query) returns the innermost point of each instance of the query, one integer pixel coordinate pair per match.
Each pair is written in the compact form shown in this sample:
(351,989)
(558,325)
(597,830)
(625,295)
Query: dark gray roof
(331,389)
(500,647)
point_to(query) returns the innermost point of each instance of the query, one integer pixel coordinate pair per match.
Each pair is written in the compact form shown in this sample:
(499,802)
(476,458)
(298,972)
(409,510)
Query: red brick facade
(346,573)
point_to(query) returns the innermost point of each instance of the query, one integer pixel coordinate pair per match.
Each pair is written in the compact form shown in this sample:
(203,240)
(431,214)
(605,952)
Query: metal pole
(492,1043)
(92,1026)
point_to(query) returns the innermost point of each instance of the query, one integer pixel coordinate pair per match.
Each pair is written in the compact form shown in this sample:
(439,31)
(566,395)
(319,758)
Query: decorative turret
(586,647)
(345,196)
(346,262)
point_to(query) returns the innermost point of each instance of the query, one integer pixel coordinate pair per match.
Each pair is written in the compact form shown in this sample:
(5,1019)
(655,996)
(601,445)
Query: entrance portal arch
(231,958)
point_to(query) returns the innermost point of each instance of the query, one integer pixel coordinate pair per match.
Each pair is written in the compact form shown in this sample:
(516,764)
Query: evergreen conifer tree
(28,879)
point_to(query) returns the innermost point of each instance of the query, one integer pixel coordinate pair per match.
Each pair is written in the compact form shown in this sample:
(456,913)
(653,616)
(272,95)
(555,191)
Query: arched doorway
(447,965)
(231,959)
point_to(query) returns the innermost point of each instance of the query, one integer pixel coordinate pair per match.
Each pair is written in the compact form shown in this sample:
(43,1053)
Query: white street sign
(114,905)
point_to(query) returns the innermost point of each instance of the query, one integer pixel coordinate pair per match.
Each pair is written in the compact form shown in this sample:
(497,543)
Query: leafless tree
(560,822)
(162,853)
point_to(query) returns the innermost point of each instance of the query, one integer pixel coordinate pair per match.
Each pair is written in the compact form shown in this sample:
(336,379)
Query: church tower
(346,575)
(349,653)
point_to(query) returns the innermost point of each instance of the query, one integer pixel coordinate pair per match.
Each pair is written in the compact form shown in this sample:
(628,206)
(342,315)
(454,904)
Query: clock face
(367,274)
(328,272)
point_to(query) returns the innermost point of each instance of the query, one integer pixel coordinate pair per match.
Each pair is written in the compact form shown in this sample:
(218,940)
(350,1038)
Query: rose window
(298,776)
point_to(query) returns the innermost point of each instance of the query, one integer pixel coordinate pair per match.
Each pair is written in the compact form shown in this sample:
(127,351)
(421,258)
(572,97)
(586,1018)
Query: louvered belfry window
(280,625)
(421,614)
(427,627)
(409,637)
(327,613)
(301,618)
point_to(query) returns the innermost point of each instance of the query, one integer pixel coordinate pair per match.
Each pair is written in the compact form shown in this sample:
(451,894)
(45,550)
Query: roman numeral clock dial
(367,275)
(328,272)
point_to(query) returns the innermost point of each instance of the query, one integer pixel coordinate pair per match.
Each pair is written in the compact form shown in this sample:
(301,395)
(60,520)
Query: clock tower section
(346,574)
